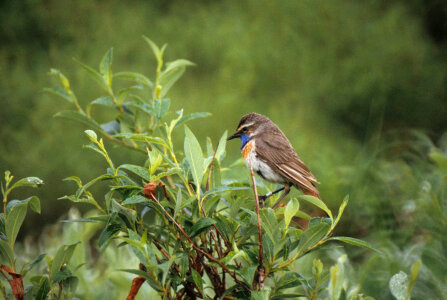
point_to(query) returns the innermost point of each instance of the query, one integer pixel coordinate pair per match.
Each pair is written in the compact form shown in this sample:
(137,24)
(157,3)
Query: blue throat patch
(244,140)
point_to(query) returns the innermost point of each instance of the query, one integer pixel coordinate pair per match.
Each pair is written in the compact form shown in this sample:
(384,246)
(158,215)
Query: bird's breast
(247,149)
(258,166)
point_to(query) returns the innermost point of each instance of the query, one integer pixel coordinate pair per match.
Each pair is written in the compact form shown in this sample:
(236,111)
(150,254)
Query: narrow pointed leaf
(201,225)
(194,156)
(79,117)
(312,236)
(291,209)
(140,171)
(14,221)
(59,92)
(178,64)
(197,279)
(142,138)
(355,242)
(192,116)
(106,67)
(136,77)
(6,253)
(168,79)
(153,46)
(317,202)
(134,200)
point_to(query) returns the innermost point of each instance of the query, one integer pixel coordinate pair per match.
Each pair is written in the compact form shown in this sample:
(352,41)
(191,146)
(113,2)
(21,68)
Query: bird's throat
(245,138)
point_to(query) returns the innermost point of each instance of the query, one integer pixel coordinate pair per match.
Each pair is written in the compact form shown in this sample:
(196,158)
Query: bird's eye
(244,129)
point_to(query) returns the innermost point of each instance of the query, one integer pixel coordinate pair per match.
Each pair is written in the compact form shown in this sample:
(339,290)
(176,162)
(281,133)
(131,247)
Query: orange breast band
(246,150)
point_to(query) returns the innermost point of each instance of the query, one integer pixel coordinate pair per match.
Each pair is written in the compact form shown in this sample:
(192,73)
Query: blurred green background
(348,82)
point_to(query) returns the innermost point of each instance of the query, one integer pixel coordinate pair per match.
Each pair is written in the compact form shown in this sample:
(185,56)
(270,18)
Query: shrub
(193,229)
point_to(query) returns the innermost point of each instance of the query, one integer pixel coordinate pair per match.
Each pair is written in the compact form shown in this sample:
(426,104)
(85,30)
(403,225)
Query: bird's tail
(311,193)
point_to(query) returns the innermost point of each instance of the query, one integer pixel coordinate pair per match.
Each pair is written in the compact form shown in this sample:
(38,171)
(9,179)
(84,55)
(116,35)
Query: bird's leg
(263,198)
(286,191)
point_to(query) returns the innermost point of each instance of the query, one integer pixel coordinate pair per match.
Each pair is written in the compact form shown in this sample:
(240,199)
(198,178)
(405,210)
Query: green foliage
(275,59)
(201,238)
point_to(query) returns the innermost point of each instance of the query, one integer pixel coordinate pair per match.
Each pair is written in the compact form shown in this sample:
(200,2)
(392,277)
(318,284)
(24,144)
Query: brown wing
(275,150)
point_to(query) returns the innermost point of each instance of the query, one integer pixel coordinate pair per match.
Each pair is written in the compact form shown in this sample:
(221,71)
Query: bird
(268,152)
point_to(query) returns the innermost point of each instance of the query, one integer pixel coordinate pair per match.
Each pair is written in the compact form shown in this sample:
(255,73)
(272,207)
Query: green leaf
(261,295)
(153,282)
(137,77)
(299,214)
(291,209)
(28,181)
(109,232)
(415,268)
(162,107)
(92,135)
(169,172)
(341,210)
(6,253)
(290,280)
(179,63)
(77,199)
(317,202)
(355,242)
(167,79)
(223,189)
(178,202)
(142,138)
(192,116)
(336,282)
(220,152)
(399,285)
(63,256)
(36,261)
(157,52)
(201,226)
(291,296)
(44,288)
(248,274)
(103,101)
(70,284)
(75,179)
(194,156)
(137,246)
(317,268)
(312,236)
(61,275)
(134,200)
(197,279)
(105,67)
(78,117)
(62,78)
(140,171)
(94,74)
(81,190)
(58,92)
(14,220)
(34,203)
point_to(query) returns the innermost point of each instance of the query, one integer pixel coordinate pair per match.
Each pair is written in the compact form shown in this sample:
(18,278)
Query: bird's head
(249,126)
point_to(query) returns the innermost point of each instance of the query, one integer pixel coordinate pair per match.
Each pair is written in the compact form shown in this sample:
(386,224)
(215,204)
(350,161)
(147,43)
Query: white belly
(262,168)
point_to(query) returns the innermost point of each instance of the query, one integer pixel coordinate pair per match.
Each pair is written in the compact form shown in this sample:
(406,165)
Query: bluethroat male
(267,149)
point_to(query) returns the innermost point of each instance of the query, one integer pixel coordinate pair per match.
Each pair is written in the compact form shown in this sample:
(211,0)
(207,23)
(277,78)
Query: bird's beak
(235,135)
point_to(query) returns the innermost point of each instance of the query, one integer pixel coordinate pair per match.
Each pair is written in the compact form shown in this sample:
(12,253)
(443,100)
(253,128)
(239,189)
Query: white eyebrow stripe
(245,125)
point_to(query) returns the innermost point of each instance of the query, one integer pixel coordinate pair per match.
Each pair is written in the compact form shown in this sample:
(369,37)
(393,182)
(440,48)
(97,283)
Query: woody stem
(261,269)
